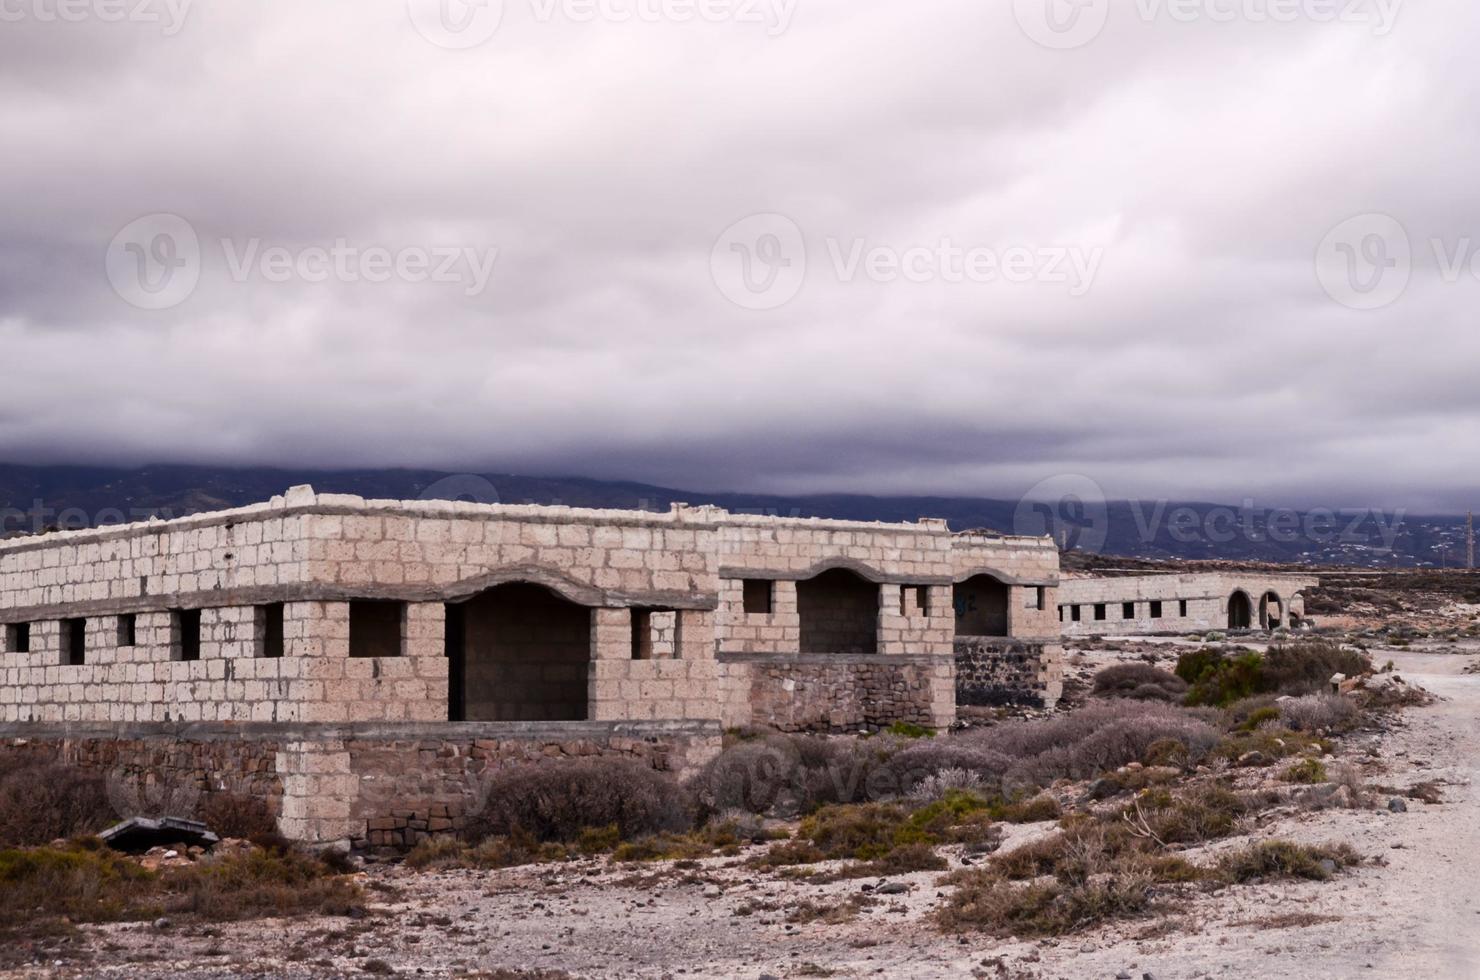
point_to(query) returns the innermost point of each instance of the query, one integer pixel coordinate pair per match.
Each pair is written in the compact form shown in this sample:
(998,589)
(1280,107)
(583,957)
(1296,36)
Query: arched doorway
(839,612)
(981,607)
(1240,611)
(518,652)
(1271,611)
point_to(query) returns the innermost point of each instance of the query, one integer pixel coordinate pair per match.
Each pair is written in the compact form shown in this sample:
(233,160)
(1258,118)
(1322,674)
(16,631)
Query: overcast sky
(785,245)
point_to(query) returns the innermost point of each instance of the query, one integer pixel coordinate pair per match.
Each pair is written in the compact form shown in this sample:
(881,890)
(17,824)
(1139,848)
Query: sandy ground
(1418,916)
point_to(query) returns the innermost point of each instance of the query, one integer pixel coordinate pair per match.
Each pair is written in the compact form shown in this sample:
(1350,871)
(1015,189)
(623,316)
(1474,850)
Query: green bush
(1219,679)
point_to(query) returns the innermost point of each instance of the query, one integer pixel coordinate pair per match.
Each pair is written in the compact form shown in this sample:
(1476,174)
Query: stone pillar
(319,793)
(892,628)
(786,622)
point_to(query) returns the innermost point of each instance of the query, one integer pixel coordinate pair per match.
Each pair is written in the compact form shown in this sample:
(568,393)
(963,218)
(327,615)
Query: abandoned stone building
(1140,604)
(360,664)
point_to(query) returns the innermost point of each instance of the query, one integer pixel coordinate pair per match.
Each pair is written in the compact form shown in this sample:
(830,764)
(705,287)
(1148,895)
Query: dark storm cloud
(1199,165)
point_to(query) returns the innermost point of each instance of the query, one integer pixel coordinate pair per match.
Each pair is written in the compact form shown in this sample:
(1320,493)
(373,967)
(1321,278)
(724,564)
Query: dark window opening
(1077,613)
(270,630)
(1240,611)
(1156,610)
(519,652)
(185,644)
(1101,613)
(981,607)
(18,638)
(1042,603)
(128,630)
(758,596)
(457,663)
(1128,610)
(375,628)
(839,613)
(642,634)
(74,642)
(1182,608)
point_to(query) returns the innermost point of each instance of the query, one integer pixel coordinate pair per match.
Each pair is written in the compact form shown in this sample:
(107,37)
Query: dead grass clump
(794,774)
(40,804)
(84,881)
(788,854)
(558,801)
(1316,713)
(1282,859)
(491,853)
(1193,816)
(259,883)
(1139,682)
(984,902)
(1306,772)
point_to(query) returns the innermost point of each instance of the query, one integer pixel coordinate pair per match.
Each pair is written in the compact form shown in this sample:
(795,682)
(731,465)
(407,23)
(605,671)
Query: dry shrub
(259,883)
(1095,739)
(986,903)
(1194,816)
(794,774)
(236,815)
(1307,668)
(1320,712)
(40,804)
(557,801)
(84,881)
(1139,682)
(1282,859)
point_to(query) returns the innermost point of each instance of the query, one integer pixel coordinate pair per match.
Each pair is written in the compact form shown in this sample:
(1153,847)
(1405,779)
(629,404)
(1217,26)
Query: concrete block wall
(681,572)
(1206,595)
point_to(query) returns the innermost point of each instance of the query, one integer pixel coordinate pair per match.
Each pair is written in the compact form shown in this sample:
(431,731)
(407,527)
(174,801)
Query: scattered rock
(1396,805)
(892,888)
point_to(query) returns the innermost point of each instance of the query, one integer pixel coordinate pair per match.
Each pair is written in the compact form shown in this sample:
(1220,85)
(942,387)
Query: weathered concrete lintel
(862,570)
(316,592)
(1004,578)
(840,659)
(370,731)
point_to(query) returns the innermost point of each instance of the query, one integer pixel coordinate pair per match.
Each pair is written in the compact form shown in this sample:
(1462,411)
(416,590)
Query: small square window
(1100,612)
(18,638)
(1127,610)
(1077,613)
(375,628)
(758,596)
(128,630)
(74,642)
(1156,610)
(1182,608)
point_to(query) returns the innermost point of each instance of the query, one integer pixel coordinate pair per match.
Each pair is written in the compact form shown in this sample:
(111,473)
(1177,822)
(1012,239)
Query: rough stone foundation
(995,671)
(836,692)
(375,785)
